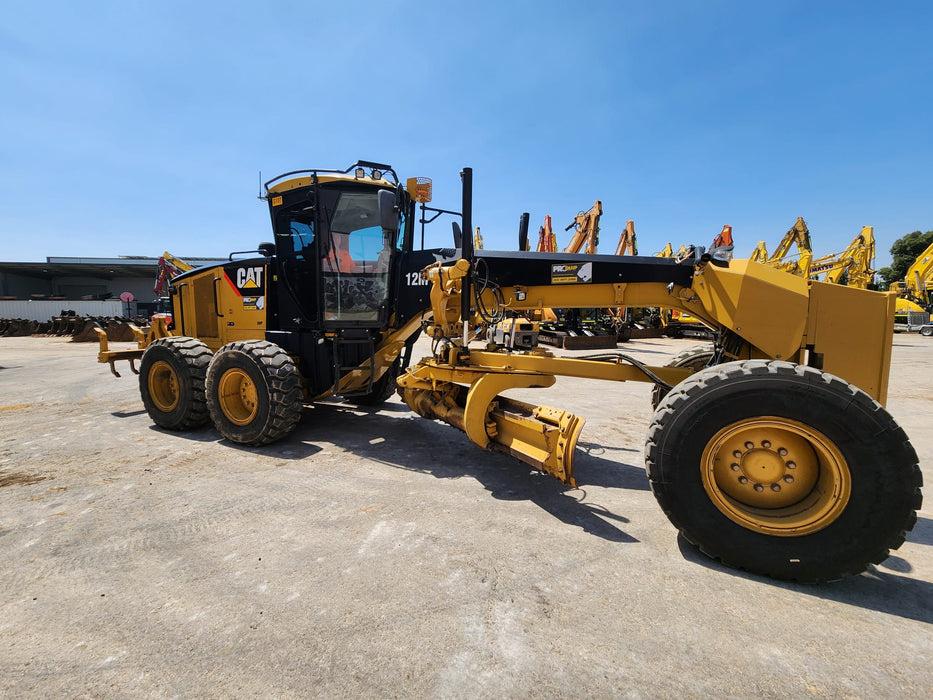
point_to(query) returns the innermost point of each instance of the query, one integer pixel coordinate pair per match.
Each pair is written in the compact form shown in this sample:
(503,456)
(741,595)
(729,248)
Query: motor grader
(769,449)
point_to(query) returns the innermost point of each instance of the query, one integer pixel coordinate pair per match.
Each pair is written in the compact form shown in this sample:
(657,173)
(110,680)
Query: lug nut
(782,452)
(734,467)
(759,488)
(789,479)
(737,453)
(775,487)
(743,479)
(766,444)
(749,445)
(791,465)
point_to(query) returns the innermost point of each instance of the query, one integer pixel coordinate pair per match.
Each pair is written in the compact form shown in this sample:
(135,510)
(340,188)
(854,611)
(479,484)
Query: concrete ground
(379,554)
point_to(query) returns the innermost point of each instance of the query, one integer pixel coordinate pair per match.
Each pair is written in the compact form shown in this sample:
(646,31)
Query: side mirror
(267,249)
(388,210)
(458,235)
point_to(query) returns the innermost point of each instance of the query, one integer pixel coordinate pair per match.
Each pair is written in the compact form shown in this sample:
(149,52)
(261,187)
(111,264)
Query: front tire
(927,331)
(253,392)
(783,470)
(696,358)
(171,382)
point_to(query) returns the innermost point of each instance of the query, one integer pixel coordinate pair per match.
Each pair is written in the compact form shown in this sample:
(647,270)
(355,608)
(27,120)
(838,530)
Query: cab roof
(363,171)
(307,180)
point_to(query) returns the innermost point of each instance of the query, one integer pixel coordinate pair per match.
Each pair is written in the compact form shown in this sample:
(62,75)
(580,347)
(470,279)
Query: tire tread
(284,393)
(888,432)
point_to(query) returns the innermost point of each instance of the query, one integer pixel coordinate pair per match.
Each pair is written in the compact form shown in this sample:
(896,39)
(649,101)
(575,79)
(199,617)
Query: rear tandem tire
(171,382)
(783,470)
(382,389)
(927,331)
(253,392)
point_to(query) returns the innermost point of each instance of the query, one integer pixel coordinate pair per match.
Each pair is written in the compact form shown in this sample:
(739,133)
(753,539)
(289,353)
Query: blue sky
(130,128)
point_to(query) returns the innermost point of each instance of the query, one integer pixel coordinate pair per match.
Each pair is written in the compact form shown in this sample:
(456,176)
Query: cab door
(295,305)
(356,262)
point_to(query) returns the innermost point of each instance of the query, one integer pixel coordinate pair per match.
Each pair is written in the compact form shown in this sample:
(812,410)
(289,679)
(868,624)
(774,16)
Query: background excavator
(914,302)
(169,267)
(797,236)
(547,239)
(621,319)
(773,454)
(576,328)
(628,243)
(853,266)
(585,227)
(477,239)
(760,254)
(654,322)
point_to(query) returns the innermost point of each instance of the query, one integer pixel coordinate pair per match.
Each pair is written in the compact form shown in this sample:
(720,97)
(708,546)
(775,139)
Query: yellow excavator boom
(854,263)
(798,235)
(917,281)
(760,254)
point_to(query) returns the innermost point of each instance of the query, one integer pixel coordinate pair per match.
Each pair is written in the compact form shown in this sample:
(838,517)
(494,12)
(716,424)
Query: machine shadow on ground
(394,436)
(288,449)
(434,448)
(876,589)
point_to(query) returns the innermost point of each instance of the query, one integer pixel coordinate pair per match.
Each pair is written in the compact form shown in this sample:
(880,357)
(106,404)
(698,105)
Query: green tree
(904,251)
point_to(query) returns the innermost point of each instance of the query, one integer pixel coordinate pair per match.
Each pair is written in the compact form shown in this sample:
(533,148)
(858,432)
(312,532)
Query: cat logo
(249,277)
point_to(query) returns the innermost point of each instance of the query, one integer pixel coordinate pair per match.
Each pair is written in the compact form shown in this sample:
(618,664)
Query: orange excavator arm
(627,240)
(586,230)
(547,241)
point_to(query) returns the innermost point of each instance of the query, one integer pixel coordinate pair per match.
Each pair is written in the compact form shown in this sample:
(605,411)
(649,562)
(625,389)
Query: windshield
(355,211)
(357,256)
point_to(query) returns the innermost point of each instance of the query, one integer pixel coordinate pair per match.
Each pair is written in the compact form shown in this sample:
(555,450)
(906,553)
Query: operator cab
(338,235)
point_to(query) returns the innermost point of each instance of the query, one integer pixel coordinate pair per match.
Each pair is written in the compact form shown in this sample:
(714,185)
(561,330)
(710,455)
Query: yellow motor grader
(770,450)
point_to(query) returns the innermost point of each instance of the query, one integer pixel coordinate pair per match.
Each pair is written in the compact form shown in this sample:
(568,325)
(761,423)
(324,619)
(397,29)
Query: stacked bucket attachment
(81,329)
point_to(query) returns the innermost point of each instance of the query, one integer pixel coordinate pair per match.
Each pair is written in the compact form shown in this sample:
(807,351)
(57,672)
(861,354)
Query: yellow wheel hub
(238,397)
(163,386)
(776,476)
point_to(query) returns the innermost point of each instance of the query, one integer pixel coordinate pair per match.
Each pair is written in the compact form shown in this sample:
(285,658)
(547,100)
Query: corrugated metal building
(63,283)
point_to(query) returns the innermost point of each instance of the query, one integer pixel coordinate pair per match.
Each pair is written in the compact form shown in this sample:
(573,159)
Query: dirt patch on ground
(19,478)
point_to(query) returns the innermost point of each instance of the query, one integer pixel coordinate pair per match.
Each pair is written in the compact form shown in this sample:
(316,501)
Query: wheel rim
(238,397)
(163,386)
(776,476)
